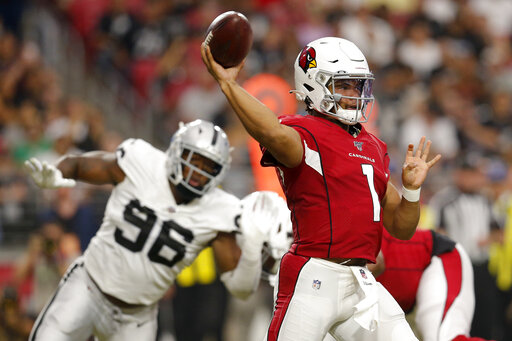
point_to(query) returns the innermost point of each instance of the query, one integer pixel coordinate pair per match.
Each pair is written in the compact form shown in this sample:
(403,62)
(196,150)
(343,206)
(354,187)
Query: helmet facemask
(330,105)
(208,169)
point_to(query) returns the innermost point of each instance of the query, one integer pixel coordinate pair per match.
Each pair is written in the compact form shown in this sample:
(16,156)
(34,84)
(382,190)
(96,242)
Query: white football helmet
(320,65)
(203,138)
(279,241)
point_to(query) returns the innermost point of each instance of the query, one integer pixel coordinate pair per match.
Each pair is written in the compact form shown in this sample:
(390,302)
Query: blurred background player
(164,209)
(433,275)
(322,159)
(280,239)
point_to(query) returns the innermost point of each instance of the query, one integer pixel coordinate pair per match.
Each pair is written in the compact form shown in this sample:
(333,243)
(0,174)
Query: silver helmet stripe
(215,134)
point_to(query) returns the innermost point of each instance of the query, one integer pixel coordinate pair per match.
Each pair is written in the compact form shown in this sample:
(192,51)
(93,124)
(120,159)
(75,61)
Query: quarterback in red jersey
(336,181)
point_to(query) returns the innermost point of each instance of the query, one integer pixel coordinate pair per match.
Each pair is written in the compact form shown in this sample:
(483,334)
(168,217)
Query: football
(230,38)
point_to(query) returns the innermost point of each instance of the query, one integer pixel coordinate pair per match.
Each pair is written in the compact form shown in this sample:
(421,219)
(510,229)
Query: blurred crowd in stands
(443,69)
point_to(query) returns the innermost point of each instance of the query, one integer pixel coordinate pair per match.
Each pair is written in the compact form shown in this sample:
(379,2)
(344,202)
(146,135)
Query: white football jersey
(146,239)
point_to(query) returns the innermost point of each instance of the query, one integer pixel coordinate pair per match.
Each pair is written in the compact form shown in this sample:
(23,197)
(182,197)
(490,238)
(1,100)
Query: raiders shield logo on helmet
(307,58)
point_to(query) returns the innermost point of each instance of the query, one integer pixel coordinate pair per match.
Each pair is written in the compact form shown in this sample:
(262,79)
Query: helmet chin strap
(337,98)
(298,94)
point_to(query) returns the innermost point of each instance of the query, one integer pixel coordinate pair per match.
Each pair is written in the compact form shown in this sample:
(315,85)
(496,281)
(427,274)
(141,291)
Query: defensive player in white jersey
(164,209)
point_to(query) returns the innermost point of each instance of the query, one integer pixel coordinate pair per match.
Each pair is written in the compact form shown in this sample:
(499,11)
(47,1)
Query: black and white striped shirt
(467,218)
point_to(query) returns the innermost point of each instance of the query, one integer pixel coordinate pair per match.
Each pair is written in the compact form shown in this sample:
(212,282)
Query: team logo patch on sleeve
(307,59)
(316,284)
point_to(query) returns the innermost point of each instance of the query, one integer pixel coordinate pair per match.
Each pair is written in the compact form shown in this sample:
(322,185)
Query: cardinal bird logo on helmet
(307,58)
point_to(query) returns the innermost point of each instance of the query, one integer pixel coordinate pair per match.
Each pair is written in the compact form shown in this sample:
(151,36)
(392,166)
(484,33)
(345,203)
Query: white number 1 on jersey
(368,171)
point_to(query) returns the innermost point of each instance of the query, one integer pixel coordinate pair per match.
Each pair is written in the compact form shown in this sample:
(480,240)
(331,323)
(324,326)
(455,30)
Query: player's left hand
(416,166)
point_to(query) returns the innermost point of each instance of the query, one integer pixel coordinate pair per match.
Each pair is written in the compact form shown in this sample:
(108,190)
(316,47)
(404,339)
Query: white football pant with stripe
(78,310)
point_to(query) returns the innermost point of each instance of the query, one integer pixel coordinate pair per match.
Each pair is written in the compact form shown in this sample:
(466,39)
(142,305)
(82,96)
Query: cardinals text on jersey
(343,179)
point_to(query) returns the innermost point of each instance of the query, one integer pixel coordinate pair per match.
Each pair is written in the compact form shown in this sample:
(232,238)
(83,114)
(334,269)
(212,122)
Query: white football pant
(446,298)
(323,298)
(78,310)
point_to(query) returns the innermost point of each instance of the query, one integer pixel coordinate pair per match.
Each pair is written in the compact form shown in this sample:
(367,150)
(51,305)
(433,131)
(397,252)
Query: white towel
(367,310)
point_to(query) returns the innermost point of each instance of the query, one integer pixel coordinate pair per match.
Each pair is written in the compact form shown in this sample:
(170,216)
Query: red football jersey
(334,194)
(406,260)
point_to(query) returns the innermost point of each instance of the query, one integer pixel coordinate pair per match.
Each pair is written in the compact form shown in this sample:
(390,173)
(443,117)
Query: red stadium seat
(143,74)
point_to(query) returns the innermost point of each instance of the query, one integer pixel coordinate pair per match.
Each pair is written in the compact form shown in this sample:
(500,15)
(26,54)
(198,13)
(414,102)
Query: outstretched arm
(281,141)
(226,251)
(239,271)
(401,214)
(96,168)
